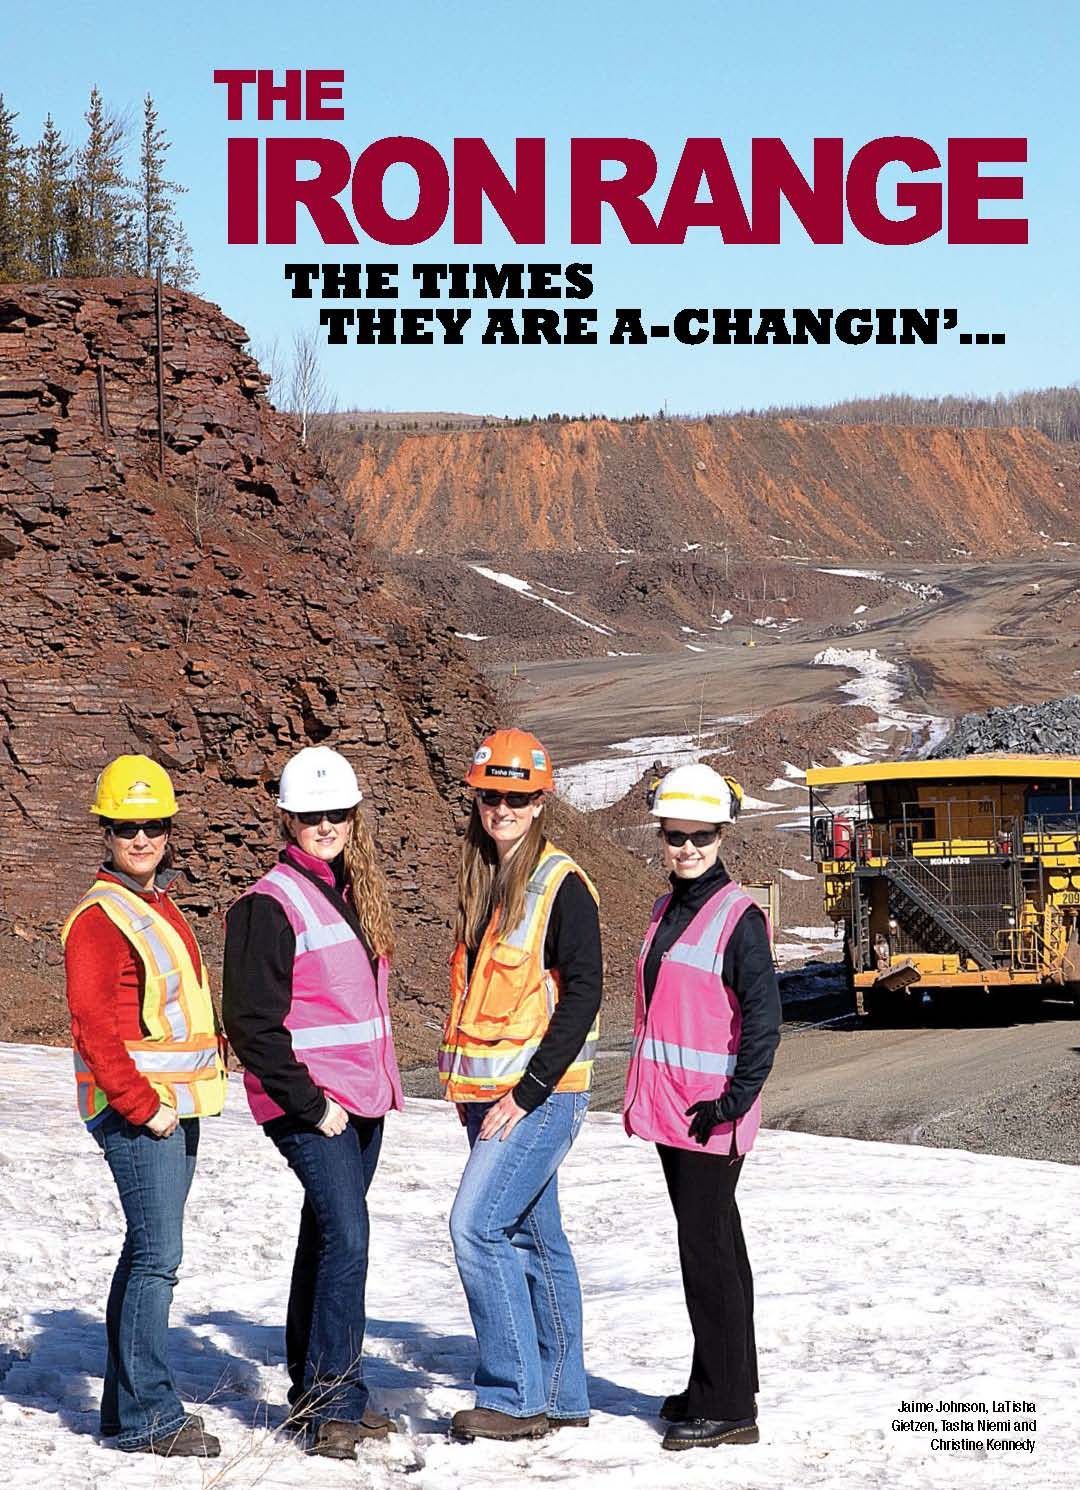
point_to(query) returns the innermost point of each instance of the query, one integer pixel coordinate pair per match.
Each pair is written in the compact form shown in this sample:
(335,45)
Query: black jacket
(748,971)
(572,946)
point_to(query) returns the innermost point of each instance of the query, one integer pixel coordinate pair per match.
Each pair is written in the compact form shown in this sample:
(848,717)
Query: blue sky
(657,72)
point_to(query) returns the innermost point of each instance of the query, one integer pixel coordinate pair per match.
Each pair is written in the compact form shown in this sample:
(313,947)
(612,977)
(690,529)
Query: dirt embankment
(757,486)
(217,615)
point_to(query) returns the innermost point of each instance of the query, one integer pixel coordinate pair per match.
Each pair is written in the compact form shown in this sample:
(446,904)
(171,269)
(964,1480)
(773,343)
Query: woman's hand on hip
(502,1118)
(334,1120)
(163,1122)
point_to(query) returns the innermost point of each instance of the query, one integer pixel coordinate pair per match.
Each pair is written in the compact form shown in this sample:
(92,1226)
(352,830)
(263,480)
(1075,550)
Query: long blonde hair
(369,890)
(483,886)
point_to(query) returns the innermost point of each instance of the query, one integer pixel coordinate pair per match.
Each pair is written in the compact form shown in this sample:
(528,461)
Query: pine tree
(14,190)
(163,241)
(51,163)
(101,234)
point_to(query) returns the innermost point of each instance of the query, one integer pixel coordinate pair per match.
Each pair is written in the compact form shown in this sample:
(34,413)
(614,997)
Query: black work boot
(189,1441)
(708,1433)
(335,1439)
(485,1422)
(673,1408)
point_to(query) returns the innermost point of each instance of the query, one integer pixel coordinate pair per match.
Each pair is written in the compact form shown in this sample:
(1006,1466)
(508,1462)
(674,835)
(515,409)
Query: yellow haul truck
(952,873)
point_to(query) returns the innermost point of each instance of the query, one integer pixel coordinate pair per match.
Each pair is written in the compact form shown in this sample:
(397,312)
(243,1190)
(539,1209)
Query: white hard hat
(317,777)
(697,794)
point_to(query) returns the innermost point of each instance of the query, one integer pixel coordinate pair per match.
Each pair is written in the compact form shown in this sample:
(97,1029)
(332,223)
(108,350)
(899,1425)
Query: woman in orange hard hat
(148,1066)
(516,1056)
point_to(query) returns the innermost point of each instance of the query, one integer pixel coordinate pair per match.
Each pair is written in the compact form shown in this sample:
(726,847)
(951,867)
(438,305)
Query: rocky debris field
(537,606)
(1051,728)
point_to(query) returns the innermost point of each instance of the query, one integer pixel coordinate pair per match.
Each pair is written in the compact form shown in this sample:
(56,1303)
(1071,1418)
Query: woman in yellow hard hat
(706,1027)
(516,1056)
(147,1067)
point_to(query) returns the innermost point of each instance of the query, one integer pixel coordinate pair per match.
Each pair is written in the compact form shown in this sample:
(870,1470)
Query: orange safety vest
(499,1016)
(181,1054)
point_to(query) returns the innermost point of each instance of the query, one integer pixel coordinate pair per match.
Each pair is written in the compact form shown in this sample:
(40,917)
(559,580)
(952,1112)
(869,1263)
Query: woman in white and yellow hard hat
(305,1001)
(516,1056)
(707,1023)
(148,1066)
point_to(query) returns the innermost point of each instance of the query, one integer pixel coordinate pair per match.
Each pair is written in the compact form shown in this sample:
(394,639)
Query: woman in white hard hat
(707,1024)
(517,1054)
(147,1066)
(305,1002)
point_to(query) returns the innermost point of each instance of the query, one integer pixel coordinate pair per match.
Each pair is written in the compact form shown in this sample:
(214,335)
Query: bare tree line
(1055,412)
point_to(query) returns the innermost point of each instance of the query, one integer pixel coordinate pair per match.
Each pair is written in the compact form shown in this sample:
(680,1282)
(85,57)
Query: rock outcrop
(212,612)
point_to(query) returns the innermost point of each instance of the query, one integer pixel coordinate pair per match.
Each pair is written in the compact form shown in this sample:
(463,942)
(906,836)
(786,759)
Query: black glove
(704,1118)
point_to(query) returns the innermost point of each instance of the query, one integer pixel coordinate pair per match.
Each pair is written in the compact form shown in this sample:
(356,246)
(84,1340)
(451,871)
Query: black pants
(717,1281)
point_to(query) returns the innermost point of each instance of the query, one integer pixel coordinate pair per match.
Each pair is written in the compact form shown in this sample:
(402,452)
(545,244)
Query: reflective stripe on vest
(474,1068)
(181,1057)
(684,1056)
(328,1035)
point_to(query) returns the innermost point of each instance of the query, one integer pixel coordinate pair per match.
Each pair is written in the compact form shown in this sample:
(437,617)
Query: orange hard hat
(512,758)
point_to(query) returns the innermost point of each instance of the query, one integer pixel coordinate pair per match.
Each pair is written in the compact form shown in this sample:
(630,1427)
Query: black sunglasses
(156,828)
(517,800)
(701,838)
(335,815)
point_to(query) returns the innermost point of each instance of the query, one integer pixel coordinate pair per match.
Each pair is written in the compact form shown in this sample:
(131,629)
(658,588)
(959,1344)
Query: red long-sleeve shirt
(105,986)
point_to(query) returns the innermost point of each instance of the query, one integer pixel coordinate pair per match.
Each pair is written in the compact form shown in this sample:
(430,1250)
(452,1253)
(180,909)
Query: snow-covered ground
(883,1274)
(879,685)
(603,780)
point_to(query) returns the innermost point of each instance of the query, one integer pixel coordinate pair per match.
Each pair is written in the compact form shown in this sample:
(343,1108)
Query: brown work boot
(485,1422)
(554,1423)
(335,1440)
(375,1424)
(189,1441)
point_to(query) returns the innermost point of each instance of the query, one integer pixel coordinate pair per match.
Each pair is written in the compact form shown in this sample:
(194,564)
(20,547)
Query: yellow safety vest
(181,1055)
(499,1016)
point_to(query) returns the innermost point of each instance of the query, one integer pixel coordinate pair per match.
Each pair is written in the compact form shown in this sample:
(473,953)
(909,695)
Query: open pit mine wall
(758,486)
(217,619)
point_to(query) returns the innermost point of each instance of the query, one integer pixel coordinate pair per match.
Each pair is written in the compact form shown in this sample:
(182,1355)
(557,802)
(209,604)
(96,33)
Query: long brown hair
(483,886)
(369,891)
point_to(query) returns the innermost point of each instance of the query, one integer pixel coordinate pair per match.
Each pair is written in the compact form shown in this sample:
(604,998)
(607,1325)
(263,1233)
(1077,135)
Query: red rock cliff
(844,491)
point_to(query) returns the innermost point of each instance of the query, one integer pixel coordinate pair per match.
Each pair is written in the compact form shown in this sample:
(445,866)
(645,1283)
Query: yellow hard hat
(133,788)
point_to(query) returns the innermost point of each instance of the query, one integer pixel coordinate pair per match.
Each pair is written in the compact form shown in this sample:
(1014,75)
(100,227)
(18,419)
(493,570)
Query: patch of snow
(470,636)
(795,874)
(725,617)
(524,588)
(785,784)
(855,573)
(689,548)
(879,1274)
(691,648)
(552,590)
(794,771)
(813,933)
(603,780)
(858,610)
(692,630)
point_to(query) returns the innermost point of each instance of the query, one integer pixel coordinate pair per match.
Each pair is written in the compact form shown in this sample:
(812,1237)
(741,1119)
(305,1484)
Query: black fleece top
(748,971)
(260,947)
(572,946)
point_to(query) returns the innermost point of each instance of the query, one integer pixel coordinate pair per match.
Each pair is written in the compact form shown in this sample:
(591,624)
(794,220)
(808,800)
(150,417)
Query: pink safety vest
(339,1018)
(685,1045)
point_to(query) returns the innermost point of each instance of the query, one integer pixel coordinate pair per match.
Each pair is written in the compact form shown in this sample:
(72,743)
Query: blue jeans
(153,1176)
(324,1329)
(516,1266)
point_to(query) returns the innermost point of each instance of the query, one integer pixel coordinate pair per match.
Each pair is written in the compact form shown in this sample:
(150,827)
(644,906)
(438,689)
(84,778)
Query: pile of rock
(1052,728)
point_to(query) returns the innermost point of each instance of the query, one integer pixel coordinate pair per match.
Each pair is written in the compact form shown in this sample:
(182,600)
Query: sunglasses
(156,828)
(336,815)
(516,800)
(700,839)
